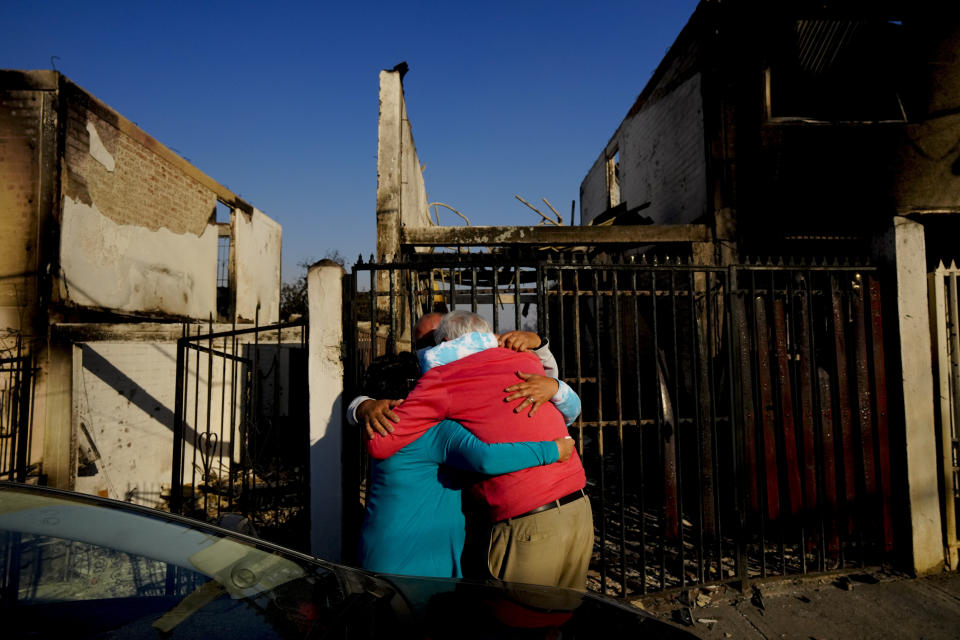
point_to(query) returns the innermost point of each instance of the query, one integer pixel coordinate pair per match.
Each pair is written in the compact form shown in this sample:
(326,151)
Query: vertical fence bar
(819,513)
(831,472)
(206,453)
(412,305)
(666,429)
(618,388)
(392,338)
(220,437)
(879,380)
(253,421)
(869,504)
(576,347)
(848,490)
(677,475)
(234,349)
(374,272)
(640,466)
(176,473)
(805,390)
(715,342)
(24,393)
(452,288)
(770,487)
(495,300)
(196,423)
(543,308)
(748,415)
(701,467)
(516,297)
(953,309)
(275,431)
(598,360)
(473,290)
(738,361)
(561,317)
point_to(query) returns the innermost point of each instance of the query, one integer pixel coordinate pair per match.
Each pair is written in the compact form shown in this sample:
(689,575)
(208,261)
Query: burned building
(820,134)
(792,128)
(108,241)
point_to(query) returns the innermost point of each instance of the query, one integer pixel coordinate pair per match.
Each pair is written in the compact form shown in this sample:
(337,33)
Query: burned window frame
(836,70)
(226,261)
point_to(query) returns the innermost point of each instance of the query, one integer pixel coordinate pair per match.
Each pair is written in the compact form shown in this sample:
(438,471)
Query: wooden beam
(566,235)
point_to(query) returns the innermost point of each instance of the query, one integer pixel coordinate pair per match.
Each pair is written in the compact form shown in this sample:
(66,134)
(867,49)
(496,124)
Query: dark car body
(76,566)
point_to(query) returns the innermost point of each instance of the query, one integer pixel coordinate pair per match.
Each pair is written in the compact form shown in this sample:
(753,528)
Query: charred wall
(27,152)
(807,127)
(137,234)
(656,159)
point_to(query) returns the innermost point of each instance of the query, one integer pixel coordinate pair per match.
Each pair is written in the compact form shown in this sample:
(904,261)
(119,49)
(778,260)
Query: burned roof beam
(566,235)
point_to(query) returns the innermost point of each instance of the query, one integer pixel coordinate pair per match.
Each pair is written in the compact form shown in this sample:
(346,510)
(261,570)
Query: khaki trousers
(551,548)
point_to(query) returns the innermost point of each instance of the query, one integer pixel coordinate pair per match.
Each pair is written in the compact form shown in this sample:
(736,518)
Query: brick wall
(143,188)
(20,140)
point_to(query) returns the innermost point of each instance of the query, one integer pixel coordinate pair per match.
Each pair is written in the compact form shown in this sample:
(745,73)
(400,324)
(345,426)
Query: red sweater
(470,391)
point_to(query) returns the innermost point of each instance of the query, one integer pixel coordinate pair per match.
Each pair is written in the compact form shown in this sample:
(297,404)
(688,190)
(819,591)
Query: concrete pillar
(54,393)
(325,300)
(389,154)
(917,372)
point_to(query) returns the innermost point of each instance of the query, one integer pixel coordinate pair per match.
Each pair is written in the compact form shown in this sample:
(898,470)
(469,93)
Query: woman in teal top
(414,523)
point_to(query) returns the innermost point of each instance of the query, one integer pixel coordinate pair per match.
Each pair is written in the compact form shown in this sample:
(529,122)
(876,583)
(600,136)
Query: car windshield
(86,568)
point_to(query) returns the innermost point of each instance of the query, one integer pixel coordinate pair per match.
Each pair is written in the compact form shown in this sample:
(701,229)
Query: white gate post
(325,301)
(917,379)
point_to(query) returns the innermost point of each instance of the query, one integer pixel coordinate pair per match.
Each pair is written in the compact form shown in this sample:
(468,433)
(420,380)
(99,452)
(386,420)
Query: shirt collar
(452,350)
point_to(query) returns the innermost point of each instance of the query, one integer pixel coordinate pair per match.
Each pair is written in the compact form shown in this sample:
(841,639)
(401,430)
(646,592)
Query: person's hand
(375,416)
(535,390)
(565,447)
(519,340)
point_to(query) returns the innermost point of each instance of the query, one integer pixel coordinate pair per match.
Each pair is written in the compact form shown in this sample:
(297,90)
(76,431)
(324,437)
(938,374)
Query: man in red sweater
(541,523)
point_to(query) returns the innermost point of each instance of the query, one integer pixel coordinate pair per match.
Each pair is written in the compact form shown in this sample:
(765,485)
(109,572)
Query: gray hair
(460,323)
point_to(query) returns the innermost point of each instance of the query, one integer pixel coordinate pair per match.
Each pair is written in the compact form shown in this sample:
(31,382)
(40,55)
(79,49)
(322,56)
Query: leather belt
(567,499)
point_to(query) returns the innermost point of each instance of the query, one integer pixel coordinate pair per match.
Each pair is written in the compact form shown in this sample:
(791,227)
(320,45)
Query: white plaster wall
(128,415)
(131,268)
(257,246)
(594,199)
(662,160)
(124,397)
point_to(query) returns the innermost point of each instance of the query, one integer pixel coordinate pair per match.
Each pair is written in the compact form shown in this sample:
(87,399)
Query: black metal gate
(734,420)
(16,391)
(241,430)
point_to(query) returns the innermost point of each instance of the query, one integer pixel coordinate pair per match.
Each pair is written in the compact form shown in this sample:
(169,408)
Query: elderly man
(541,525)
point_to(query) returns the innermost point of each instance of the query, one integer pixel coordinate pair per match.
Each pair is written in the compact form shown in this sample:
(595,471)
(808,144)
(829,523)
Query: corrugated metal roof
(821,42)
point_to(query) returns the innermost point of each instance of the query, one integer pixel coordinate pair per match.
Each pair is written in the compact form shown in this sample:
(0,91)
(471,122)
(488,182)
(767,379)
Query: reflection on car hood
(189,579)
(448,608)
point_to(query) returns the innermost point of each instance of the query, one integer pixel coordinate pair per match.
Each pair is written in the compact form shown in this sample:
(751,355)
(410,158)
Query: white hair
(459,323)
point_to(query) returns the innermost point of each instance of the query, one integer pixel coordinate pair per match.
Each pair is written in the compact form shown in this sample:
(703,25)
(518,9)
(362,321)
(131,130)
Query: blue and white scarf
(565,400)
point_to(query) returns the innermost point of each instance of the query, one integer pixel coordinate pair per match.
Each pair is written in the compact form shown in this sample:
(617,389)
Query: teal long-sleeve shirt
(414,523)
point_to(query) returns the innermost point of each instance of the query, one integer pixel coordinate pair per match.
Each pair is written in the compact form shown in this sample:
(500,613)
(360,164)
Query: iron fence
(241,430)
(16,393)
(945,318)
(734,421)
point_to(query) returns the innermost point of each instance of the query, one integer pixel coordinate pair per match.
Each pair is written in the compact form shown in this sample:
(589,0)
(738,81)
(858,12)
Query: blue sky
(279,102)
